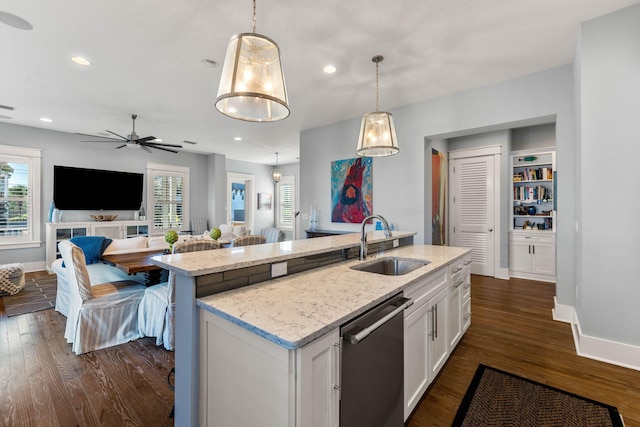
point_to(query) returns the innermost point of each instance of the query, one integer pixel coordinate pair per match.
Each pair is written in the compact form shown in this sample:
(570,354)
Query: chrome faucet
(363,235)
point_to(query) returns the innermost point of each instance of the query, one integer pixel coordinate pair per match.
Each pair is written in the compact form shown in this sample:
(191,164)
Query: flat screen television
(95,189)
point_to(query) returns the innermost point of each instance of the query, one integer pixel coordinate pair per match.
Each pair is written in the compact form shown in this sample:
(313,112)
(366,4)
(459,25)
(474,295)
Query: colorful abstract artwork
(438,197)
(351,190)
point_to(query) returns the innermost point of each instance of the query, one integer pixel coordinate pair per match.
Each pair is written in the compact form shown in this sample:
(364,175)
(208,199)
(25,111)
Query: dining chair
(199,226)
(102,315)
(156,313)
(252,239)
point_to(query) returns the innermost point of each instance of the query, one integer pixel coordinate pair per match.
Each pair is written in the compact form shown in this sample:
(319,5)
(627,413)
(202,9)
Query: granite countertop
(294,310)
(215,261)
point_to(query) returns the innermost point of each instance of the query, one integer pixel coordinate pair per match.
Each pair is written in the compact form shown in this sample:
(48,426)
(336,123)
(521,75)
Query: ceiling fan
(133,140)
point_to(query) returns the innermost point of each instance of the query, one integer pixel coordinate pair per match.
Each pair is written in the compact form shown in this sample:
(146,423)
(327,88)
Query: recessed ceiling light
(80,61)
(210,63)
(329,69)
(237,138)
(45,119)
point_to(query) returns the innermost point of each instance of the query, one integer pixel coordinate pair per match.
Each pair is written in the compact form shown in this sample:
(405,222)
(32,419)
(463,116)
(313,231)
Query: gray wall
(400,182)
(609,90)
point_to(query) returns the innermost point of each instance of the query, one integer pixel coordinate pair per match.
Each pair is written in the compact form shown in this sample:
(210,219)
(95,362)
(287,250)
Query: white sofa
(103,273)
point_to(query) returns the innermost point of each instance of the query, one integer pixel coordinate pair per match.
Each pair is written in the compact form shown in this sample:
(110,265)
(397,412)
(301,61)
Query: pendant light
(377,133)
(276,173)
(252,83)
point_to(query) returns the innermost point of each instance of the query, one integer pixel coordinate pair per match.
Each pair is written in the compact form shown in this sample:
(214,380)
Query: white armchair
(156,313)
(102,315)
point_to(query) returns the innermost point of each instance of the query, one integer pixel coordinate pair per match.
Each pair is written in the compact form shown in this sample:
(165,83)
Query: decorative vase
(531,210)
(52,207)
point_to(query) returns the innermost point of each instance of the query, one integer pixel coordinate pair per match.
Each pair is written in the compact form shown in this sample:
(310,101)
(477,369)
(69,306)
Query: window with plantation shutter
(285,215)
(19,197)
(168,197)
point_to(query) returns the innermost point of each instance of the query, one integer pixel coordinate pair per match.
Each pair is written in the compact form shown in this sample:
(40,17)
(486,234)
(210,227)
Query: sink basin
(391,266)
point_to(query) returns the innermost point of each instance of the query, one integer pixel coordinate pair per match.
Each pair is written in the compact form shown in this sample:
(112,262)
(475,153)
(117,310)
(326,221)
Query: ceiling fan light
(377,135)
(252,86)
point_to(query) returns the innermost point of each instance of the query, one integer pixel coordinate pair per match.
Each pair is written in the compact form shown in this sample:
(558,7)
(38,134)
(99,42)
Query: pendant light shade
(377,132)
(276,173)
(252,86)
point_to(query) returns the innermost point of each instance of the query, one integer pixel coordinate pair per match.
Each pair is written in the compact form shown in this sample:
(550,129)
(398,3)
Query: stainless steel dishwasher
(372,366)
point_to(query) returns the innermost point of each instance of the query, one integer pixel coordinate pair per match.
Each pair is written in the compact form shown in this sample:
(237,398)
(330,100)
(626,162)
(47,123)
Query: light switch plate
(279,269)
(396,243)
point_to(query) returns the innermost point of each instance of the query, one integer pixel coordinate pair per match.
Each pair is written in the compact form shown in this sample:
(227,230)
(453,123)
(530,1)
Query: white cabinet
(67,230)
(532,246)
(417,337)
(533,256)
(438,344)
(317,382)
(459,309)
(248,380)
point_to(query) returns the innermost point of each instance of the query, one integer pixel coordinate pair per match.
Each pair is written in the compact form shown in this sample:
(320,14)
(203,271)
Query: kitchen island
(288,315)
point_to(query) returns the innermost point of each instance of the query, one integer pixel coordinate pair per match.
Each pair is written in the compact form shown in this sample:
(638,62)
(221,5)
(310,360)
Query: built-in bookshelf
(533,187)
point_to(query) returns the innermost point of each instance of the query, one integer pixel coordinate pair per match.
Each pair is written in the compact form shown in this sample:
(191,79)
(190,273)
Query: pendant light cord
(377,87)
(254,16)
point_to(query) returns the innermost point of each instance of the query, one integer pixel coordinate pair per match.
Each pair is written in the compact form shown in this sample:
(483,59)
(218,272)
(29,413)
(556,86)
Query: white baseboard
(34,266)
(607,351)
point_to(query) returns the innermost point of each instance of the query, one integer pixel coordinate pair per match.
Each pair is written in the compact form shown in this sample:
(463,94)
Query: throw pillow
(92,246)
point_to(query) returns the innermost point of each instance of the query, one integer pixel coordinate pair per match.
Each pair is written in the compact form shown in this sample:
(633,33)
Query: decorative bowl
(101,218)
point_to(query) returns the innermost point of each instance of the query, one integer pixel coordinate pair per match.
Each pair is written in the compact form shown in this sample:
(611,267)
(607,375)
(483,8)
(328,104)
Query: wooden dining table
(137,262)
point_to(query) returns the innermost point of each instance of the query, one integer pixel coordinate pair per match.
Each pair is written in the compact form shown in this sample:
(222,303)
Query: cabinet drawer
(421,291)
(533,238)
(466,291)
(466,315)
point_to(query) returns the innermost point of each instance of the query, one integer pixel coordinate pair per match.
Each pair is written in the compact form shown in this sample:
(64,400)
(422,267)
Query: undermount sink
(391,266)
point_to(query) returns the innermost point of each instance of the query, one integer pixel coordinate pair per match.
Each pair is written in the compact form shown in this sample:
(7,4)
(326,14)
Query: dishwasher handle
(404,303)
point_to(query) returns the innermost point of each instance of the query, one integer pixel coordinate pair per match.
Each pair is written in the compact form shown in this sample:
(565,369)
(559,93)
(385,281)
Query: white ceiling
(146,59)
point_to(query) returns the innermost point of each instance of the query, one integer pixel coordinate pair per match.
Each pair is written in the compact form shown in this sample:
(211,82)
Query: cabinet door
(520,256)
(544,258)
(112,231)
(438,343)
(454,310)
(416,357)
(318,395)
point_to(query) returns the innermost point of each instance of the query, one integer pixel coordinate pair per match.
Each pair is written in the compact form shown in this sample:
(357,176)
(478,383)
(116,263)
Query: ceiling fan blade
(119,136)
(106,140)
(162,145)
(189,142)
(146,139)
(94,136)
(145,149)
(121,146)
(163,149)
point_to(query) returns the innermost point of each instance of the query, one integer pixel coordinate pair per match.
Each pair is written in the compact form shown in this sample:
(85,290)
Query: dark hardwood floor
(43,384)
(512,329)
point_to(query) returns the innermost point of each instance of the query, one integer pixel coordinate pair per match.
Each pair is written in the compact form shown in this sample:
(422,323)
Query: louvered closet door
(472,210)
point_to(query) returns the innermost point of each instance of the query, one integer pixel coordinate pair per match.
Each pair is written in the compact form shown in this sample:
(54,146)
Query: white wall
(400,183)
(609,75)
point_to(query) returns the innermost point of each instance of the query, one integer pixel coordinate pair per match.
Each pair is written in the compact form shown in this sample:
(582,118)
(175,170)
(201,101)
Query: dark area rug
(498,398)
(38,294)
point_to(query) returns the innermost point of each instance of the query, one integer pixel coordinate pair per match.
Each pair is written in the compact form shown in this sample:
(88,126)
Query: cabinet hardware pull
(456,270)
(436,317)
(432,310)
(534,249)
(529,248)
(467,285)
(467,262)
(457,285)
